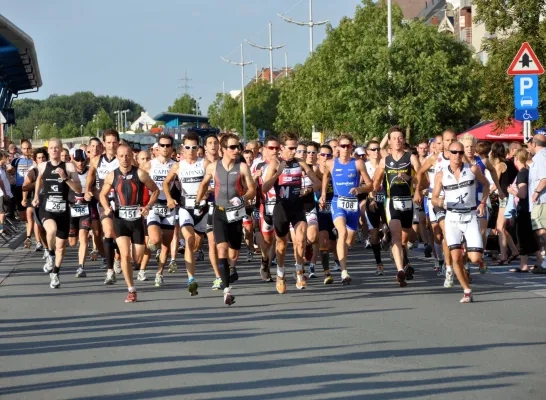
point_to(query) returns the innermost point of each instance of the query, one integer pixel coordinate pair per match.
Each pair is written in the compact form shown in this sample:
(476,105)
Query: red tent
(487,130)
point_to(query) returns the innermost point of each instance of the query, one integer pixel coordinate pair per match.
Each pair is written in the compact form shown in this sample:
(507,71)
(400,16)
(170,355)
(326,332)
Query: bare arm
(204,186)
(39,183)
(29,182)
(325,180)
(311,174)
(103,196)
(90,186)
(250,184)
(150,184)
(274,170)
(173,172)
(419,172)
(436,200)
(73,179)
(494,177)
(378,176)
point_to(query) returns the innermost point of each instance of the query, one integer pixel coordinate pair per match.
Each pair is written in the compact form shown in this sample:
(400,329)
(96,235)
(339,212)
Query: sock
(56,270)
(468,290)
(109,252)
(223,268)
(299,268)
(325,257)
(280,271)
(449,269)
(132,289)
(376,248)
(439,251)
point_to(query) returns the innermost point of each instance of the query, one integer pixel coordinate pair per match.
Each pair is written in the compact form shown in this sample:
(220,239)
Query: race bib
(380,197)
(79,210)
(161,210)
(256,215)
(55,206)
(129,213)
(327,208)
(347,203)
(269,206)
(236,213)
(189,202)
(402,205)
(211,208)
(460,217)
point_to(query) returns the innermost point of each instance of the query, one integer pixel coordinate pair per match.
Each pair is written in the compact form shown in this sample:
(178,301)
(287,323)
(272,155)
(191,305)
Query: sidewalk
(12,253)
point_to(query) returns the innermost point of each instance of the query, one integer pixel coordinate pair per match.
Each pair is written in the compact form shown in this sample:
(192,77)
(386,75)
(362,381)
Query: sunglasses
(345,146)
(190,147)
(312,153)
(234,147)
(272,148)
(167,145)
(291,148)
(360,155)
(374,149)
(327,155)
(301,151)
(459,152)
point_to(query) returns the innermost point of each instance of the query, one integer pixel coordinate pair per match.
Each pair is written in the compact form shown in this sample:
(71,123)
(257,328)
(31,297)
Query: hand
(88,196)
(61,173)
(534,198)
(171,203)
(322,202)
(481,210)
(501,194)
(236,201)
(372,205)
(257,173)
(144,211)
(354,191)
(108,211)
(280,169)
(404,176)
(35,202)
(417,197)
(24,203)
(198,210)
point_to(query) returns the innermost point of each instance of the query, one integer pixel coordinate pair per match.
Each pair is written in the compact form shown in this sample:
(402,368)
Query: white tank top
(370,169)
(191,176)
(158,173)
(459,196)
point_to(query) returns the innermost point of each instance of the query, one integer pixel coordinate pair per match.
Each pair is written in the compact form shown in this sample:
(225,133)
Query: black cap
(79,155)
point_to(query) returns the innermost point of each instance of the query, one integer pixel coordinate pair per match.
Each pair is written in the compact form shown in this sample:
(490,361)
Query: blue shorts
(351,217)
(425,206)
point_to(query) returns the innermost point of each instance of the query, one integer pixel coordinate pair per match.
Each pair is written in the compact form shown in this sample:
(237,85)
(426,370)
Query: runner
(286,177)
(130,185)
(397,170)
(18,169)
(458,180)
(346,174)
(231,179)
(56,178)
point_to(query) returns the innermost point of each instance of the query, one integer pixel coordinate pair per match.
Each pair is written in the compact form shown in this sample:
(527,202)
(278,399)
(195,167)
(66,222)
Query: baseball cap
(360,151)
(155,146)
(79,155)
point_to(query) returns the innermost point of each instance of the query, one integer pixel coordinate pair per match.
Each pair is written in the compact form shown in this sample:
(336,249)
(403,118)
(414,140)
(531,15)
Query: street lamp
(81,130)
(124,113)
(117,112)
(35,132)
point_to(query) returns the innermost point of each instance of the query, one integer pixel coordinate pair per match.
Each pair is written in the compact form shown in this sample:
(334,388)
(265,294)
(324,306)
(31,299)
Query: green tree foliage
(345,87)
(513,22)
(261,103)
(185,104)
(76,109)
(224,112)
(70,130)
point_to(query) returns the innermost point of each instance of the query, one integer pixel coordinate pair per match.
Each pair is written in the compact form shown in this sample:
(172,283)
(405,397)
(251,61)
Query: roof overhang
(169,116)
(19,69)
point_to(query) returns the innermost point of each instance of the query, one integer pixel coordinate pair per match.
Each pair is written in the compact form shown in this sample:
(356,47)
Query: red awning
(487,130)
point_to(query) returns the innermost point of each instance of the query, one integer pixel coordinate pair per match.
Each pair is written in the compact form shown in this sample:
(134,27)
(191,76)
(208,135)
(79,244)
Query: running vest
(55,190)
(309,198)
(22,165)
(191,176)
(79,207)
(380,194)
(288,186)
(394,186)
(459,196)
(83,179)
(104,167)
(479,187)
(329,196)
(227,184)
(158,173)
(345,177)
(128,188)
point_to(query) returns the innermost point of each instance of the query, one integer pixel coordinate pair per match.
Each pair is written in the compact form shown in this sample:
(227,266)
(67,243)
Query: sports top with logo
(158,173)
(22,166)
(288,186)
(227,184)
(191,176)
(104,167)
(55,201)
(265,201)
(375,215)
(399,191)
(344,204)
(80,210)
(160,214)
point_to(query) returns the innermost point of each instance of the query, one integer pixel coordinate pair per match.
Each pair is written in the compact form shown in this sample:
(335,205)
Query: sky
(139,49)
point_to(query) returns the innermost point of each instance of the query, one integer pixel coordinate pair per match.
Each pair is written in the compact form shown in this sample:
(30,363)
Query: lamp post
(81,130)
(117,112)
(270,48)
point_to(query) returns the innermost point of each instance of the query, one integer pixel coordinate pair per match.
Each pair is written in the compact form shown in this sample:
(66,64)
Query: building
(144,122)
(411,8)
(265,74)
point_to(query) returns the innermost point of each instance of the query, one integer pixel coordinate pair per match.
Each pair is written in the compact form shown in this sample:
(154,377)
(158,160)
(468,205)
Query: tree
(512,22)
(224,112)
(345,87)
(262,99)
(69,131)
(185,104)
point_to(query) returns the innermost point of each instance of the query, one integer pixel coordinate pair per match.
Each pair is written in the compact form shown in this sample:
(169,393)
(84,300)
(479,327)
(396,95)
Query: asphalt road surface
(369,340)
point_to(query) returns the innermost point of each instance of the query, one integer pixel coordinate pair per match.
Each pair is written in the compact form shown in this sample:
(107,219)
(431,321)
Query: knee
(281,245)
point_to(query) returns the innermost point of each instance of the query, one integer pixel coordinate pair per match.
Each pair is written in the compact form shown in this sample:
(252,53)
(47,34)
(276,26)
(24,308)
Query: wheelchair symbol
(526,115)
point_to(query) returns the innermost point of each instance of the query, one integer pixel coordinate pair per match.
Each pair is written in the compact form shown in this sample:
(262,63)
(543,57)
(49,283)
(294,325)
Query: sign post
(525,68)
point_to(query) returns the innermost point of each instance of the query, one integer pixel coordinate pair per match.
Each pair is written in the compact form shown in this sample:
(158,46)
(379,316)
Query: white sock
(280,271)
(299,268)
(132,289)
(449,269)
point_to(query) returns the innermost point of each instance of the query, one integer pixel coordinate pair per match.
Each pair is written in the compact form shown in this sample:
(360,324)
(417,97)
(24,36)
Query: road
(370,340)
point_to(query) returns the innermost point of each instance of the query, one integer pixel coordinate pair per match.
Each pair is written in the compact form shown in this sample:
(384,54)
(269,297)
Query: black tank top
(288,186)
(128,188)
(394,186)
(508,176)
(227,184)
(54,187)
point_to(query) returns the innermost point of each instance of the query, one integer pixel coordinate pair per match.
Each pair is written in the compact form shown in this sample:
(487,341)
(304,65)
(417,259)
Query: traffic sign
(525,92)
(525,62)
(527,115)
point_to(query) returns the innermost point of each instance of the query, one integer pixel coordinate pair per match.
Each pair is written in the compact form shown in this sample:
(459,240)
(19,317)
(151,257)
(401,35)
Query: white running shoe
(158,280)
(448,282)
(110,278)
(48,266)
(55,283)
(442,272)
(117,267)
(142,276)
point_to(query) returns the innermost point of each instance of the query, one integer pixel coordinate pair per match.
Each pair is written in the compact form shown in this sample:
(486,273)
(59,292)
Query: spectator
(537,190)
(5,191)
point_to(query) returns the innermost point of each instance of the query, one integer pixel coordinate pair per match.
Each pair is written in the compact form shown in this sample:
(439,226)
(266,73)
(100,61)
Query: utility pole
(185,86)
(310,24)
(242,65)
(117,112)
(270,48)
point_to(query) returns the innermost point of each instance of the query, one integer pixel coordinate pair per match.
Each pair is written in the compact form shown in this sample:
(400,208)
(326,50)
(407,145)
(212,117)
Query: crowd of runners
(123,207)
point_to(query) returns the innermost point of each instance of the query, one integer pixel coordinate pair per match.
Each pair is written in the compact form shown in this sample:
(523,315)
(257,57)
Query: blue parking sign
(525,92)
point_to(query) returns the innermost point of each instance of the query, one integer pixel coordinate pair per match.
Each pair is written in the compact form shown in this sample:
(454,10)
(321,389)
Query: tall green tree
(262,99)
(224,112)
(184,104)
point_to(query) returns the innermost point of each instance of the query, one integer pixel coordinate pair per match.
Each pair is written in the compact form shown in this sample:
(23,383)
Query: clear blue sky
(139,49)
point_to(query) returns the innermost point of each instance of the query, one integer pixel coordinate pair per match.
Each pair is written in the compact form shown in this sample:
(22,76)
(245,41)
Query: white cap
(360,151)
(155,146)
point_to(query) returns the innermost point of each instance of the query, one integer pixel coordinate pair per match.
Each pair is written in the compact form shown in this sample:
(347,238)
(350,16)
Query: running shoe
(442,271)
(301,282)
(172,267)
(448,282)
(94,255)
(153,247)
(157,254)
(409,272)
(200,256)
(158,280)
(482,267)
(117,267)
(428,250)
(281,284)
(55,283)
(436,266)
(411,245)
(131,297)
(265,272)
(249,256)
(379,271)
(312,273)
(80,273)
(359,236)
(39,247)
(368,244)
(467,298)
(142,276)
(192,286)
(229,299)
(328,279)
(336,265)
(217,284)
(233,275)
(110,278)
(345,278)
(48,266)
(274,262)
(27,243)
(181,249)
(45,255)
(401,278)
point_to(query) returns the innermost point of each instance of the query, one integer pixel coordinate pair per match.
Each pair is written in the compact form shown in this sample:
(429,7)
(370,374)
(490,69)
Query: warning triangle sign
(525,62)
